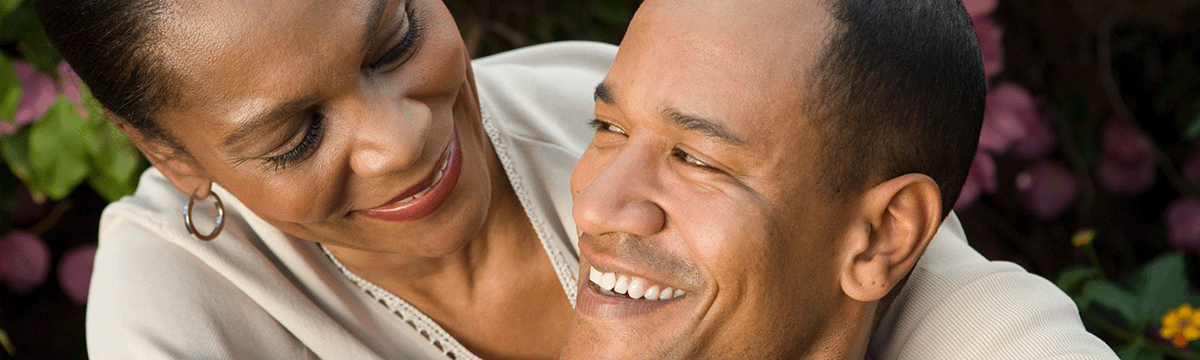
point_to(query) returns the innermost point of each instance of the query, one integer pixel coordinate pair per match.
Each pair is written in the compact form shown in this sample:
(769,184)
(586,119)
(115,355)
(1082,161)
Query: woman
(358,126)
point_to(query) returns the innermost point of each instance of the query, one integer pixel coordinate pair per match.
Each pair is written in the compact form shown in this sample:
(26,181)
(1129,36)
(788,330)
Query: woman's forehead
(225,53)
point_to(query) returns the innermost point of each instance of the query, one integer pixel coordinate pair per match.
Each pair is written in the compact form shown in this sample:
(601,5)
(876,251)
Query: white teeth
(637,288)
(634,287)
(652,293)
(607,281)
(666,294)
(622,285)
(438,177)
(595,275)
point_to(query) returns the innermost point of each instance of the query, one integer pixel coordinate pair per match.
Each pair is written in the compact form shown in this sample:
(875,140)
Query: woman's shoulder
(579,54)
(543,93)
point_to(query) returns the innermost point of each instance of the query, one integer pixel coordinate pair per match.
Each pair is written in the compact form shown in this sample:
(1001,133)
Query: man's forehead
(725,59)
(740,26)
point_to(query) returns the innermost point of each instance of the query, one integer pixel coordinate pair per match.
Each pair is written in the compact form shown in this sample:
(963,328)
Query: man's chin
(587,340)
(618,327)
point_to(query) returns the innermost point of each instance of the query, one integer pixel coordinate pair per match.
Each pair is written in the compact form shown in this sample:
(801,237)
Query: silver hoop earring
(187,218)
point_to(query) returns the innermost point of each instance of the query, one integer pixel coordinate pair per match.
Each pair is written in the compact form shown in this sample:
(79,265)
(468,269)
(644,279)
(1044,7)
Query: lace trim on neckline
(422,323)
(565,272)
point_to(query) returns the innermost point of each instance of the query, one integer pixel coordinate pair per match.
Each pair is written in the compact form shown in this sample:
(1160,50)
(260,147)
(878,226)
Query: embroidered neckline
(415,318)
(424,325)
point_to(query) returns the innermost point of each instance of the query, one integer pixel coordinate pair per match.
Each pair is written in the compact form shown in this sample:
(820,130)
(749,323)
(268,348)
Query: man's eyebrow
(603,94)
(372,23)
(253,122)
(707,127)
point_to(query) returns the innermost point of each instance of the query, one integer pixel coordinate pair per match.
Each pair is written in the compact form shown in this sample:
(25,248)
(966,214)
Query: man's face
(703,178)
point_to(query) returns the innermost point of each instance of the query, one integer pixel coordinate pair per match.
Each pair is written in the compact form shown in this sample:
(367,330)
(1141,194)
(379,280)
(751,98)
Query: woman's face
(350,123)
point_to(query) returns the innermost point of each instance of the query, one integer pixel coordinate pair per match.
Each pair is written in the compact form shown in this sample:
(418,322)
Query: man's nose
(622,196)
(390,136)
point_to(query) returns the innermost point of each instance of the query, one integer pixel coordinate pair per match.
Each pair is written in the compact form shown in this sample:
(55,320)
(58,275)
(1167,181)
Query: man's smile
(633,287)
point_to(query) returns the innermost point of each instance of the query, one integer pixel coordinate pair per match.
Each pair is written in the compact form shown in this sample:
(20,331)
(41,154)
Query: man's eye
(601,125)
(690,160)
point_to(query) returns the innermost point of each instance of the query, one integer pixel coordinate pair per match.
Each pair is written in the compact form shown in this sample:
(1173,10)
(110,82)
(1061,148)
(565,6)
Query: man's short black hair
(899,89)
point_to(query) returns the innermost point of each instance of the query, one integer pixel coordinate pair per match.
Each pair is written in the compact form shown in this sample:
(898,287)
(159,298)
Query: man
(764,176)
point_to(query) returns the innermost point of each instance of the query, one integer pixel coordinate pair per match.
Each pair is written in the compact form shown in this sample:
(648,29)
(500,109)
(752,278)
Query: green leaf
(1193,130)
(10,90)
(1162,285)
(1130,352)
(22,25)
(58,151)
(612,12)
(116,164)
(7,343)
(7,6)
(1108,295)
(1070,279)
(15,151)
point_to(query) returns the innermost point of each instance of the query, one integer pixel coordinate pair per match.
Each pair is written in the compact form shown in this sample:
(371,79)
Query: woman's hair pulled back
(111,45)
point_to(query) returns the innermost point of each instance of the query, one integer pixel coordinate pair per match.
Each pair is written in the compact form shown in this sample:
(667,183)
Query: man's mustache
(645,252)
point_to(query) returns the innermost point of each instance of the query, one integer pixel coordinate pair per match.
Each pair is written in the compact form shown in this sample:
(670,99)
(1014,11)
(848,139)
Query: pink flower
(38,92)
(25,261)
(979,8)
(1047,189)
(1183,224)
(75,272)
(1128,159)
(1191,168)
(1007,117)
(990,43)
(980,179)
(1039,140)
(71,83)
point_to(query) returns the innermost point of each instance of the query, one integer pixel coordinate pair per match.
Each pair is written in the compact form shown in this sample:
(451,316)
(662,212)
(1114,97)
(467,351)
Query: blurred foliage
(1118,84)
(489,27)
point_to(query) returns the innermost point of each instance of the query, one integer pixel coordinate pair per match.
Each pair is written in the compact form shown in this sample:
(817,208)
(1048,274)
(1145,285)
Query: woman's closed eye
(403,49)
(308,144)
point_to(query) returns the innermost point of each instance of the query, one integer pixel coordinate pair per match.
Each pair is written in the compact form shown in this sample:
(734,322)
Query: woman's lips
(422,199)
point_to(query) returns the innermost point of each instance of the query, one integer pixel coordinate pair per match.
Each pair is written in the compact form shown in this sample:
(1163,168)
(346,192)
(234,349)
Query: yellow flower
(1083,237)
(1181,325)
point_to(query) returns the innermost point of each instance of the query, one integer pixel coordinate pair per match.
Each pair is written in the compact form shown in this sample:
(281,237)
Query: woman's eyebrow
(247,125)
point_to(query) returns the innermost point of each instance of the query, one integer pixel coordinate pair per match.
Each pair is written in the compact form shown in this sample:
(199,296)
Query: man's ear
(183,172)
(895,222)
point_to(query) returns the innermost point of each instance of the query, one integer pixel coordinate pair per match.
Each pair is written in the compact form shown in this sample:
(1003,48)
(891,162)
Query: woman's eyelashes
(307,145)
(403,49)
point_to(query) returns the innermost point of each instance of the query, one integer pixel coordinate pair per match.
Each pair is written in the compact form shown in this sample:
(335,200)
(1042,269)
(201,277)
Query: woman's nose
(621,196)
(390,136)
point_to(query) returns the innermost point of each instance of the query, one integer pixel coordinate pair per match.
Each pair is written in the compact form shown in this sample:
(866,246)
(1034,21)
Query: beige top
(254,292)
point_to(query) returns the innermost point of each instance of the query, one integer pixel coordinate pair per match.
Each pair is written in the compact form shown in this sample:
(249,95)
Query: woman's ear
(183,171)
(896,221)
